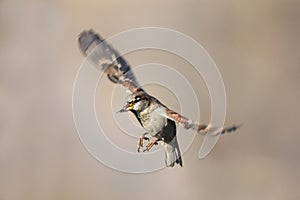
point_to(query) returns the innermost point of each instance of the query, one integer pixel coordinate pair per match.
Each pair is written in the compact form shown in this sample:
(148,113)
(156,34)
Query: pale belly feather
(153,122)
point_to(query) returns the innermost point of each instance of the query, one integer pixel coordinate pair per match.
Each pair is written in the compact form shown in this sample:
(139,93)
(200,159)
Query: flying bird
(157,119)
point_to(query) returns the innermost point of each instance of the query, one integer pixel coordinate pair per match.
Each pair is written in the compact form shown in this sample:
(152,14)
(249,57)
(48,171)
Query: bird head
(136,102)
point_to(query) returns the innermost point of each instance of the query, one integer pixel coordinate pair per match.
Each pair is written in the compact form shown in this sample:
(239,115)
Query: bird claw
(151,144)
(140,142)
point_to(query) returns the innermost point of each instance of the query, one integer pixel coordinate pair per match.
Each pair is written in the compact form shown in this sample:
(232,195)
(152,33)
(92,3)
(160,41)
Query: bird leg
(151,144)
(141,140)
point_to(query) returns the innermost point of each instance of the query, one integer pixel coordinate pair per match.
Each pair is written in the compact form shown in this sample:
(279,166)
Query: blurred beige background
(256,46)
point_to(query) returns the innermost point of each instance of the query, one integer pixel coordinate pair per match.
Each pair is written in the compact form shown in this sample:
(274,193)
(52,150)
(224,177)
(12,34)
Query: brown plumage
(158,120)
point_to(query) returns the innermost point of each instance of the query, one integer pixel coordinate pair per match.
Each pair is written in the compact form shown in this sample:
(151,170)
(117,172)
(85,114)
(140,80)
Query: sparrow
(157,119)
(150,114)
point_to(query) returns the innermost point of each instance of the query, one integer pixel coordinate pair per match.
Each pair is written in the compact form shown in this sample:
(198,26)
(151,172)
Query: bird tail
(172,153)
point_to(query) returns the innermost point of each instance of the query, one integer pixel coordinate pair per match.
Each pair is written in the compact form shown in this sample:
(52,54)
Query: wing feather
(202,129)
(106,58)
(118,71)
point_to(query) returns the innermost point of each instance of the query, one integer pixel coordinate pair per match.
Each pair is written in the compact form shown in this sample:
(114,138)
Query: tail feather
(172,153)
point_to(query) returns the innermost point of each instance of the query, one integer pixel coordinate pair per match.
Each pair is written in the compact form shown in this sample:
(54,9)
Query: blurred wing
(187,123)
(106,58)
(202,129)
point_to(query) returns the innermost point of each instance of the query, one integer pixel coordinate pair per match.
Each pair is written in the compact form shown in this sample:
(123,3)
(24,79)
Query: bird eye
(137,99)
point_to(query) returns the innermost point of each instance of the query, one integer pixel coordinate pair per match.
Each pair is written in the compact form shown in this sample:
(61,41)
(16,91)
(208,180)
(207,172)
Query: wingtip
(230,129)
(86,38)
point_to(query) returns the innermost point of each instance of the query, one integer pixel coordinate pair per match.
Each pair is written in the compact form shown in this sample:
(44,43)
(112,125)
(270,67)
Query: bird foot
(141,141)
(151,144)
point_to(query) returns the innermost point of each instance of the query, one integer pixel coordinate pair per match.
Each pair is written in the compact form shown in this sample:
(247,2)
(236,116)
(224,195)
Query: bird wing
(181,120)
(202,129)
(106,58)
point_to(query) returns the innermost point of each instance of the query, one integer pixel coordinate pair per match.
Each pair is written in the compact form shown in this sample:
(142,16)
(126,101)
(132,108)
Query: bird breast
(152,121)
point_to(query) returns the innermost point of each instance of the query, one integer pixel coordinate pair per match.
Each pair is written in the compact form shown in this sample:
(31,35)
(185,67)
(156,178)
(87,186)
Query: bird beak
(127,107)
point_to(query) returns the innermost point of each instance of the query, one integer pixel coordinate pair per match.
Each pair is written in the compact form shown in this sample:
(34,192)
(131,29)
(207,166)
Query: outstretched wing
(202,129)
(106,58)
